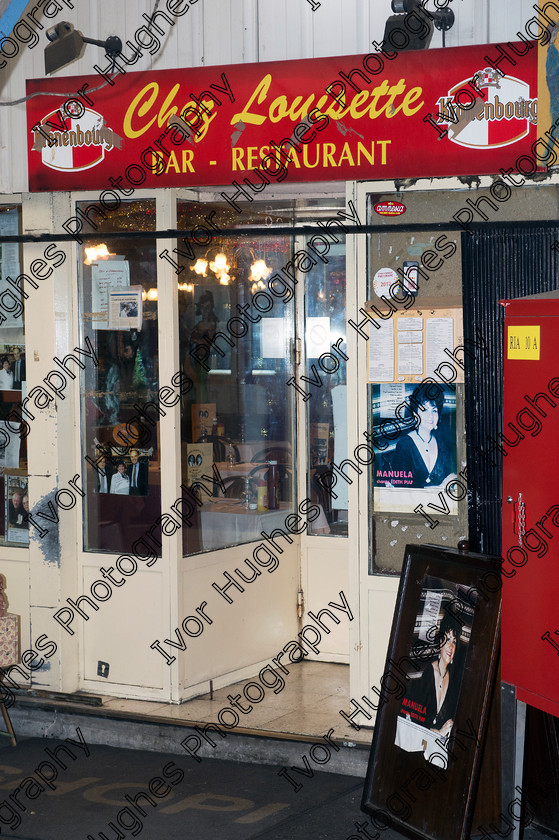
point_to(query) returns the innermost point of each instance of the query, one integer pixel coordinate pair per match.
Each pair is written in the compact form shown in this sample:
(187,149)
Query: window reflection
(326,355)
(120,417)
(14,499)
(236,346)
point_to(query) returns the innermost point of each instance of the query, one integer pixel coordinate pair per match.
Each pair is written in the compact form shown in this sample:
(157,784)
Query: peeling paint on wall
(49,543)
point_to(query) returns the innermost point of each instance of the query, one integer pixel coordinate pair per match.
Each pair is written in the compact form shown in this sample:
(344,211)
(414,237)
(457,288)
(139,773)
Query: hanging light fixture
(200,267)
(220,266)
(259,271)
(96,252)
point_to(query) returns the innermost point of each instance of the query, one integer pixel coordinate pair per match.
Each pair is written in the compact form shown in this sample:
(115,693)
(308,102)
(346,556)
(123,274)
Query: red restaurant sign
(365,121)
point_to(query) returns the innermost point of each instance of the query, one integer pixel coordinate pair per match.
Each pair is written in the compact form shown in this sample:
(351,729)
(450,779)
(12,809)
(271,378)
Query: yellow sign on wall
(523,342)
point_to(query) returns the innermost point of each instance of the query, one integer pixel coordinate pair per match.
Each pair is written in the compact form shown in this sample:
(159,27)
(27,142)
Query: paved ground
(65,794)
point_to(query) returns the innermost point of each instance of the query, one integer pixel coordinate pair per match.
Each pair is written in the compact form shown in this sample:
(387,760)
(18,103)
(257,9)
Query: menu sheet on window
(439,337)
(381,359)
(413,345)
(106,276)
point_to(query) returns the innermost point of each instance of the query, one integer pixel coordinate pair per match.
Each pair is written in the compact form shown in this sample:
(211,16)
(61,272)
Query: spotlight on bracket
(415,32)
(68,44)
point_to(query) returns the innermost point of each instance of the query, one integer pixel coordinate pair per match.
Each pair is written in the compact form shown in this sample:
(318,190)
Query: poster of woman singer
(414,437)
(435,668)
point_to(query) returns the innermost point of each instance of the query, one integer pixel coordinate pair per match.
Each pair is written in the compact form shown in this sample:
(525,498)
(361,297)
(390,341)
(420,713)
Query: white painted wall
(217,32)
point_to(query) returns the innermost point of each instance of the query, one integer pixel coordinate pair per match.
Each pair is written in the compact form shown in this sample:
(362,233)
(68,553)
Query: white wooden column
(50,330)
(170,438)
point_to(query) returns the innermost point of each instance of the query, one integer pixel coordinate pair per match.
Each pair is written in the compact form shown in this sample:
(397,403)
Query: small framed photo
(435,692)
(17,508)
(12,368)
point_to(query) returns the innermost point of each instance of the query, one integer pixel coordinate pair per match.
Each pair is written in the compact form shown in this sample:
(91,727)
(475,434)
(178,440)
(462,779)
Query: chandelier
(220,266)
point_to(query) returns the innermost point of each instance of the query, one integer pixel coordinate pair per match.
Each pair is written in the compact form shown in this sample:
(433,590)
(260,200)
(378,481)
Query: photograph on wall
(17,508)
(438,652)
(414,439)
(437,692)
(12,367)
(120,470)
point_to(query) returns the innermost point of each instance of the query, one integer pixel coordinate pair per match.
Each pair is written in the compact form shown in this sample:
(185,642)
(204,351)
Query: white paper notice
(439,336)
(10,444)
(318,336)
(410,337)
(381,352)
(107,276)
(410,359)
(272,338)
(410,323)
(9,267)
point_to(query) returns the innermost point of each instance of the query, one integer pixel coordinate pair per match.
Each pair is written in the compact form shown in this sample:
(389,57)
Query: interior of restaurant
(237,410)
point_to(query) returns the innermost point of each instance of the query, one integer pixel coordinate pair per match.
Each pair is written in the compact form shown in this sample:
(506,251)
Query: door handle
(519,520)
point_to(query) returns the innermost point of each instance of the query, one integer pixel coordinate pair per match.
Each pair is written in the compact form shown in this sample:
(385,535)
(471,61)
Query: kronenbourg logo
(503,116)
(74,144)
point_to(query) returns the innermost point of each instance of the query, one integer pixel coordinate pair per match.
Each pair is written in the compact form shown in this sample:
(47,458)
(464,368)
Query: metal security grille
(498,263)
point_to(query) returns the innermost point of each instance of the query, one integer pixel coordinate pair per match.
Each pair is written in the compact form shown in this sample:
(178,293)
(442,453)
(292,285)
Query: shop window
(418,490)
(236,329)
(326,359)
(120,421)
(14,506)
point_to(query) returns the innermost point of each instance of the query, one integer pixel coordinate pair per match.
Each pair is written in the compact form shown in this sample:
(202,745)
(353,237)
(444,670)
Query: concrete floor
(309,704)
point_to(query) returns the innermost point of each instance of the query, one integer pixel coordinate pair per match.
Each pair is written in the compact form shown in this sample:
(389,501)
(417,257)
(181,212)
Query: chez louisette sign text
(373,132)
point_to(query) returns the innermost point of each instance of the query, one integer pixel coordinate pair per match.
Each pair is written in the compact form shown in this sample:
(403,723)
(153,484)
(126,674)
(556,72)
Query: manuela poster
(545,27)
(414,439)
(435,668)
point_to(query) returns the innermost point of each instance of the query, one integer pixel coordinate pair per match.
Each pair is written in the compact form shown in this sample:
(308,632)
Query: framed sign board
(434,702)
(416,344)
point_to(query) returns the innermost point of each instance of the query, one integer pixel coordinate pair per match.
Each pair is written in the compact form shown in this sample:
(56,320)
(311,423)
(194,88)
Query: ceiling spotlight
(412,27)
(67,44)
